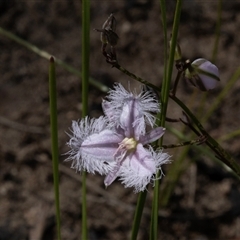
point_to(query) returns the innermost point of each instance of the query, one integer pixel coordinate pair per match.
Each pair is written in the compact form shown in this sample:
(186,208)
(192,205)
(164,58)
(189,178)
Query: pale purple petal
(138,169)
(160,157)
(132,120)
(207,72)
(102,145)
(93,145)
(92,164)
(107,109)
(149,105)
(81,130)
(145,103)
(84,128)
(208,82)
(152,136)
(112,175)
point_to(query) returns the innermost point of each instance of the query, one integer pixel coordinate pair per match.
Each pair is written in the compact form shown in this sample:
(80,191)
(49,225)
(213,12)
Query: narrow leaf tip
(51,59)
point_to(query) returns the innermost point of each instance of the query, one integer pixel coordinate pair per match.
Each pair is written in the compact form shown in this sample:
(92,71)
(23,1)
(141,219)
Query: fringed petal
(138,169)
(145,104)
(141,167)
(93,145)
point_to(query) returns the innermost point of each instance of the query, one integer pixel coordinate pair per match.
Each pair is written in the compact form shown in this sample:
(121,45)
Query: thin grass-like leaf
(47,56)
(54,137)
(165,95)
(217,31)
(85,83)
(138,214)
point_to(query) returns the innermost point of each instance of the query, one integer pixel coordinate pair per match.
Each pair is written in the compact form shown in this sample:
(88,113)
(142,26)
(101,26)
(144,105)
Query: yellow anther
(129,143)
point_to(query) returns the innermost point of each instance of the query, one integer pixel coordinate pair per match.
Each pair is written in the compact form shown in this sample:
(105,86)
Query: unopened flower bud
(202,74)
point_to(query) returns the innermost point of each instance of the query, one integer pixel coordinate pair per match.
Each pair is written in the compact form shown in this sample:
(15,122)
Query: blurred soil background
(205,202)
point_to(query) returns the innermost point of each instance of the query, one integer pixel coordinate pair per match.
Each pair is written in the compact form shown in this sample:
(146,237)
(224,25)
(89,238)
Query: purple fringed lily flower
(114,145)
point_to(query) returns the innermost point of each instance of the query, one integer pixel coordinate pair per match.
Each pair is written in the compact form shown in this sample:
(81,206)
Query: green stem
(230,135)
(178,77)
(182,144)
(54,138)
(131,75)
(85,83)
(138,214)
(167,81)
(170,181)
(165,38)
(217,31)
(164,103)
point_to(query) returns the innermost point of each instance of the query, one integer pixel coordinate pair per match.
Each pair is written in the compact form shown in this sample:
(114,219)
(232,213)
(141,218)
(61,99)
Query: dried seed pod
(108,34)
(110,23)
(111,37)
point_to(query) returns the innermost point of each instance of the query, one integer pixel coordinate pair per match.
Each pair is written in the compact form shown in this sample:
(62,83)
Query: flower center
(129,144)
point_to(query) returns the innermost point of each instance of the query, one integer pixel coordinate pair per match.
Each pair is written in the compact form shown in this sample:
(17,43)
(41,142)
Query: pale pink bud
(203,74)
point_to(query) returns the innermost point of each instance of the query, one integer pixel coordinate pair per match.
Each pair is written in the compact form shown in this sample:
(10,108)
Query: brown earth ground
(205,203)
